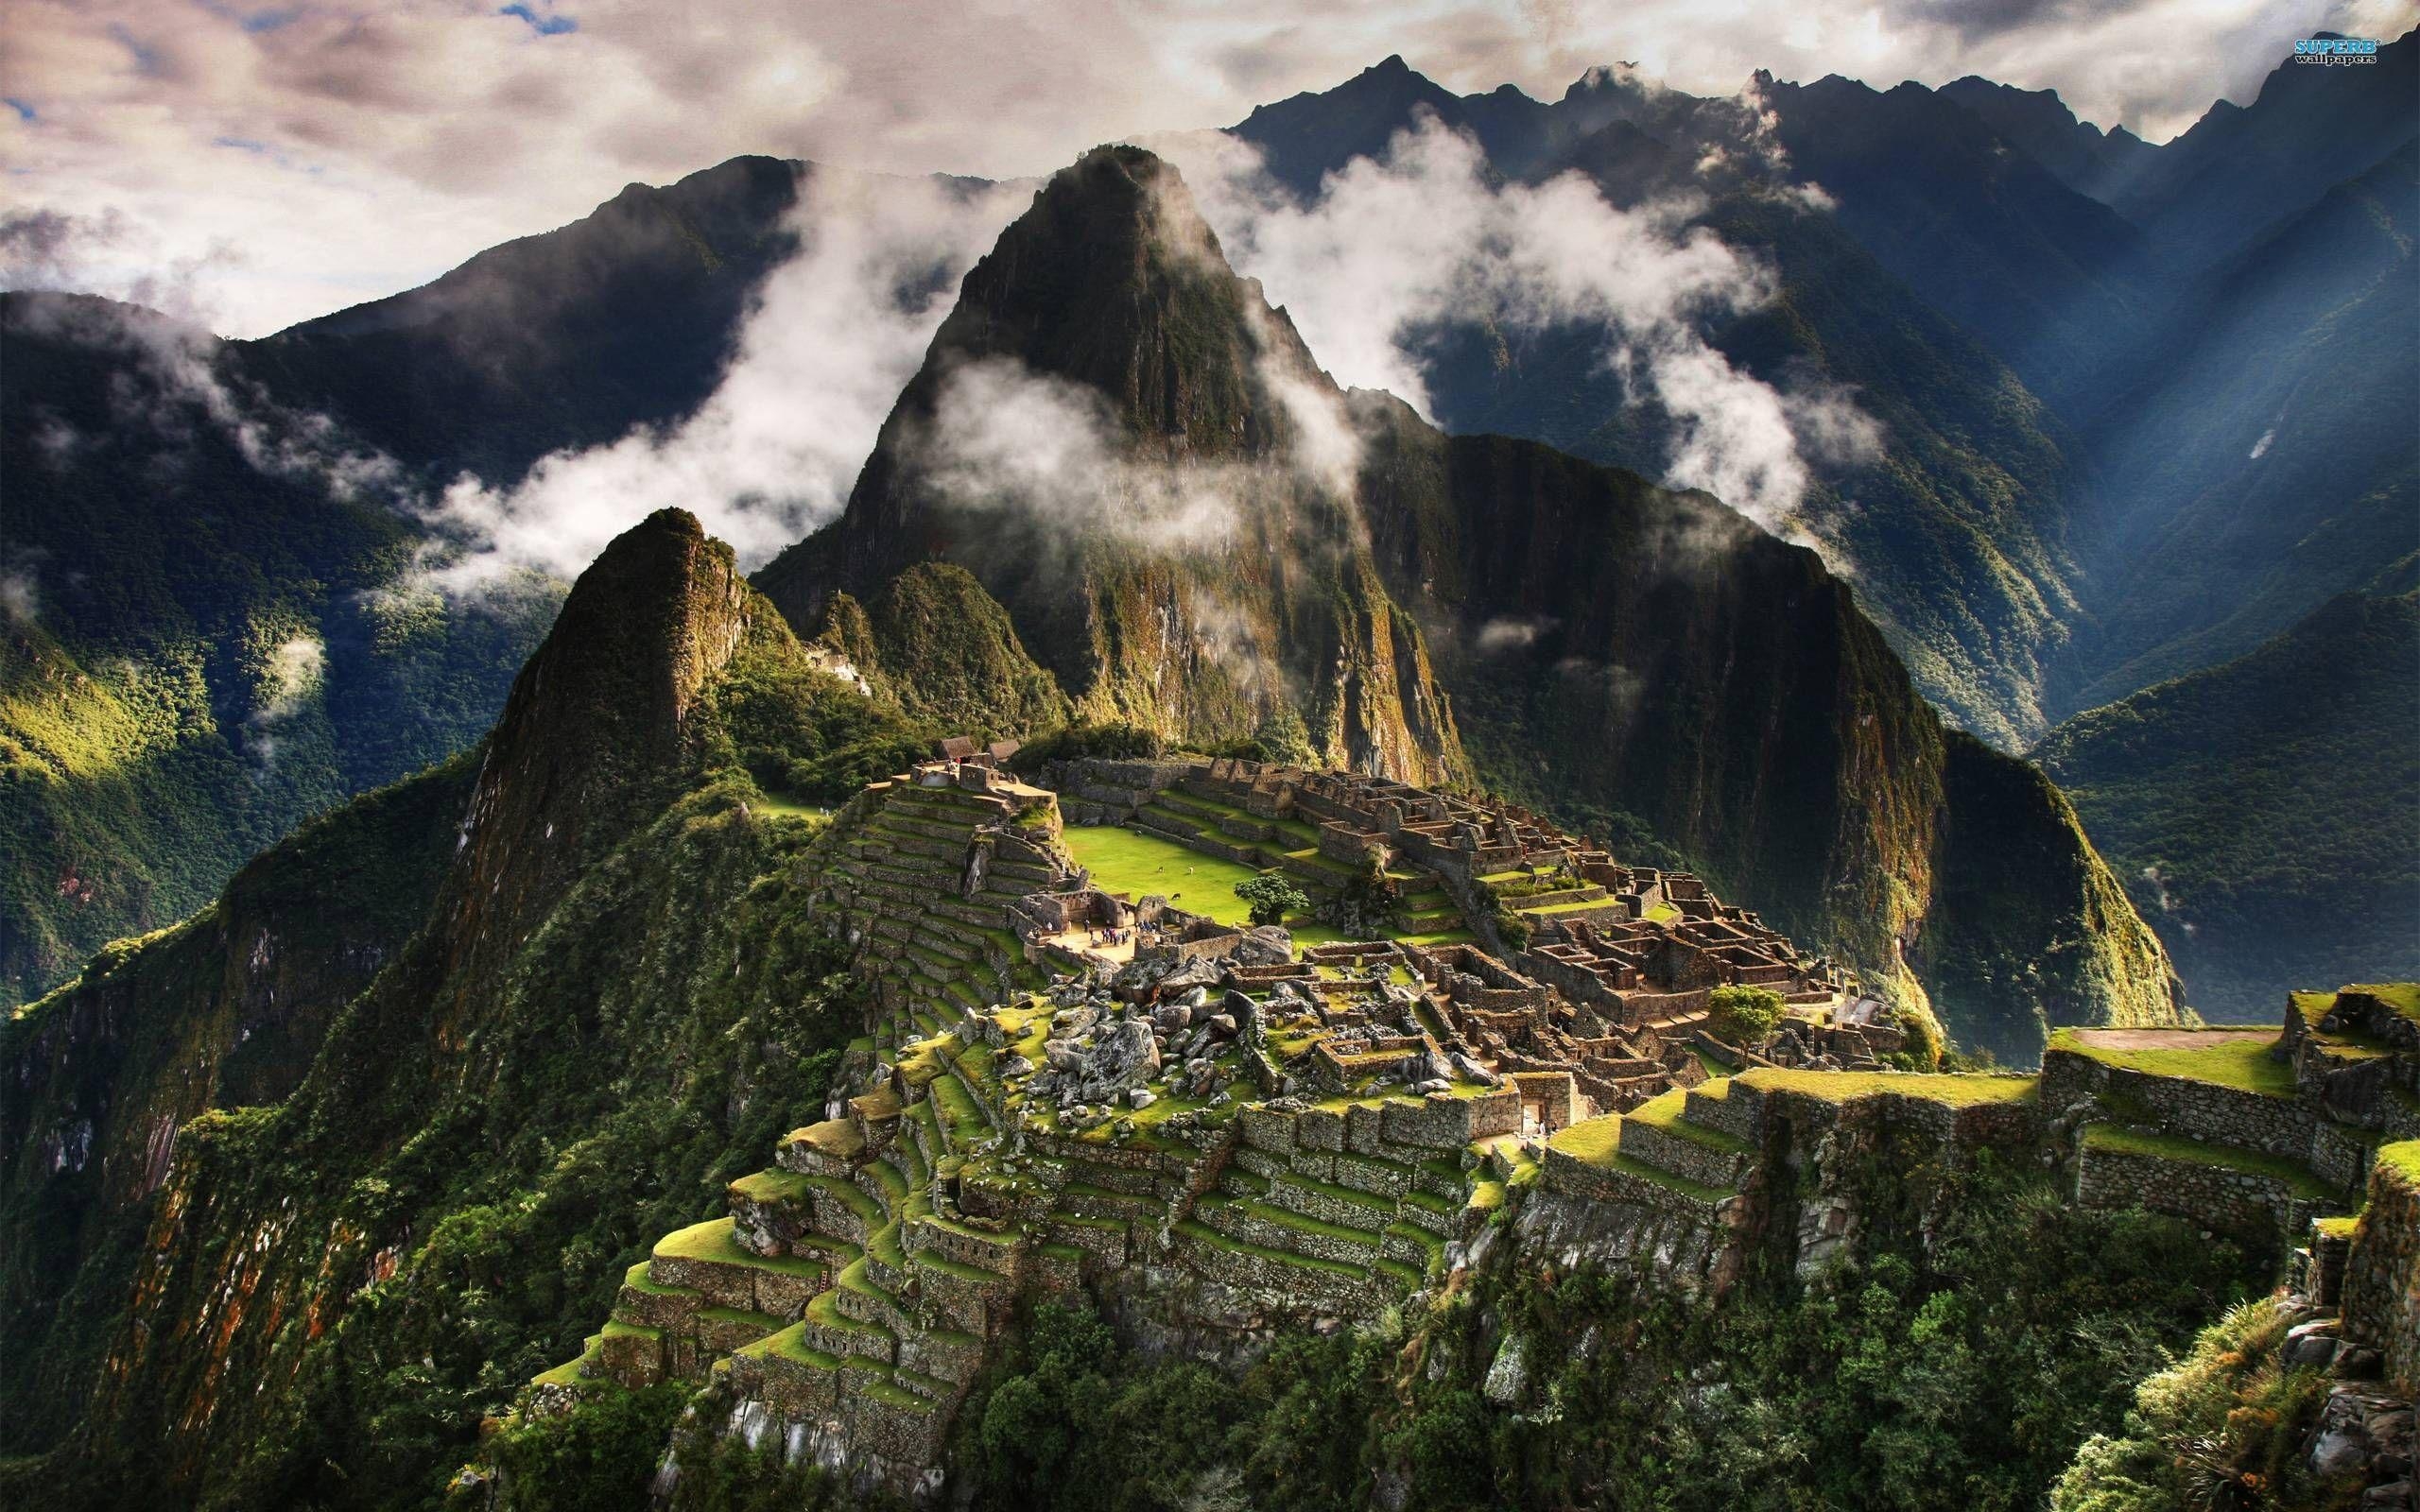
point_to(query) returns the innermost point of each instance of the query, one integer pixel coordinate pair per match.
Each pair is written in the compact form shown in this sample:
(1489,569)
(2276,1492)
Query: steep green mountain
(621,993)
(2265,812)
(1179,563)
(944,650)
(2257,473)
(209,643)
(1629,657)
(550,1059)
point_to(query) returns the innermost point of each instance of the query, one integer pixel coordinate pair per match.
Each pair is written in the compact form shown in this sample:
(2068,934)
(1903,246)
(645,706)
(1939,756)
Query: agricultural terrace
(2243,1060)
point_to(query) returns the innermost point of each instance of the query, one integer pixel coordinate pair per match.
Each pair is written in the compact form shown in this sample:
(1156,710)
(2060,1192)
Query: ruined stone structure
(1209,1128)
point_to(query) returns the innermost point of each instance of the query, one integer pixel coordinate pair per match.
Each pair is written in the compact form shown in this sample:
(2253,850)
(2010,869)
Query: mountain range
(2027,544)
(396,965)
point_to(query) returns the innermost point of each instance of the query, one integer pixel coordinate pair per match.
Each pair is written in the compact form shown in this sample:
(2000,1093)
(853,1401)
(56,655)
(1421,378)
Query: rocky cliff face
(225,1010)
(1639,657)
(558,886)
(1136,457)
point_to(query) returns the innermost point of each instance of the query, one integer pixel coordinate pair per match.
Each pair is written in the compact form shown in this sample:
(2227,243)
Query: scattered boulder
(1509,1376)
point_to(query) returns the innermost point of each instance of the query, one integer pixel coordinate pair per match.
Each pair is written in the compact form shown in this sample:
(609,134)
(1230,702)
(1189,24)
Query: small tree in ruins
(1742,1015)
(1272,897)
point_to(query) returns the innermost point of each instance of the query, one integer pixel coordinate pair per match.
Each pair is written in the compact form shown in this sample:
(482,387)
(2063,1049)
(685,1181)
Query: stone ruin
(1215,1126)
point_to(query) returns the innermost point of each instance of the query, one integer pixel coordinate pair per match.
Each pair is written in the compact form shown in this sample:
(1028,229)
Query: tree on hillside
(1742,1015)
(1270,898)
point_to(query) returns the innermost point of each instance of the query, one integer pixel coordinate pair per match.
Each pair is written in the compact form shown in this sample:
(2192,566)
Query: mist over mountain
(1444,801)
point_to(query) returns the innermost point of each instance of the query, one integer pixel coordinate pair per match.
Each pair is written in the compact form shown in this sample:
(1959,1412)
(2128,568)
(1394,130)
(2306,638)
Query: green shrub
(1271,896)
(1742,1015)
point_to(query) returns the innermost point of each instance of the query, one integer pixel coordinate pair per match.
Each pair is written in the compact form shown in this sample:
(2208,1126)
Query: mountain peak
(1138,459)
(1113,278)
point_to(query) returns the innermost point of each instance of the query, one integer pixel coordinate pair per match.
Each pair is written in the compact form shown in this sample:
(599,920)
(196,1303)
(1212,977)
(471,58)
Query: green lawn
(2403,1158)
(1663,1114)
(2237,1058)
(786,808)
(1136,863)
(1591,1141)
(1840,1086)
(2403,997)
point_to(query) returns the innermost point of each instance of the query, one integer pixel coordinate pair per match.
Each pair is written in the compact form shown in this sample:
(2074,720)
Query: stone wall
(1705,1165)
(2381,1296)
(2248,1203)
(2196,1109)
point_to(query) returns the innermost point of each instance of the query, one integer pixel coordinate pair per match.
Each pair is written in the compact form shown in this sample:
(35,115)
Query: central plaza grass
(1136,863)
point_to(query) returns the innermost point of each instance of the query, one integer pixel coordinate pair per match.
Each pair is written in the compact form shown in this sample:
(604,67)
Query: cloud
(1007,441)
(1392,249)
(169,379)
(399,140)
(290,675)
(833,335)
(1511,634)
(20,592)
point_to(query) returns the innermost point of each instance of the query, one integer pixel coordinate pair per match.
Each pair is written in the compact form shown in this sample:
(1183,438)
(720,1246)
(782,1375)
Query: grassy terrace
(1286,1218)
(771,1186)
(567,1373)
(790,1344)
(2403,1158)
(2117,1140)
(1351,1196)
(2238,1059)
(1597,1142)
(637,1280)
(1663,1115)
(713,1240)
(1840,1086)
(1195,1230)
(958,1109)
(849,1197)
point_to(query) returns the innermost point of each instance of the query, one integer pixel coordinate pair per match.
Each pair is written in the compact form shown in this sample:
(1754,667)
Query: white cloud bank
(351,152)
(822,355)
(1390,248)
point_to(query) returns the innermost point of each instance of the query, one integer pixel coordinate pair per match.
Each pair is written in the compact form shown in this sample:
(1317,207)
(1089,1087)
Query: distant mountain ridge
(1982,541)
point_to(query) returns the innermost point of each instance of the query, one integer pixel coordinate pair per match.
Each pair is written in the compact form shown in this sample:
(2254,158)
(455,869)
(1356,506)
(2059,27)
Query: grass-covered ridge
(2245,1059)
